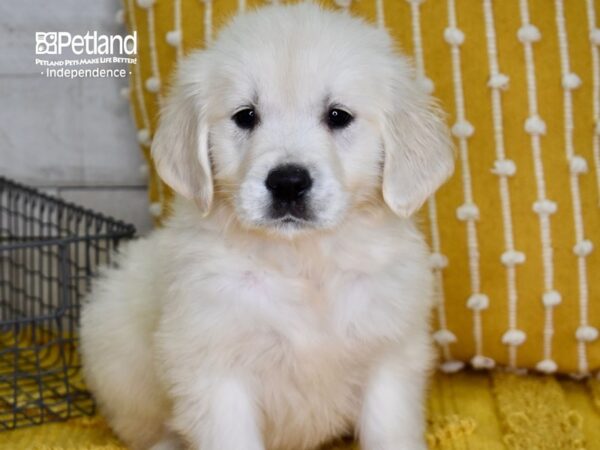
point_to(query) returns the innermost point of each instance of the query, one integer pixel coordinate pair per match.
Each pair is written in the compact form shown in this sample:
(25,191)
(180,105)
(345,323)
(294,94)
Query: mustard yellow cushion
(513,232)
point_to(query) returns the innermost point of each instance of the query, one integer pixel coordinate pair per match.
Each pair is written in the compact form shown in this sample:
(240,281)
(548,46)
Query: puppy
(286,301)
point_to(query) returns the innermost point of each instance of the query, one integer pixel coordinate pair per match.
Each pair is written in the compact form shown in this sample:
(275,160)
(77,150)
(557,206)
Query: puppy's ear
(180,145)
(418,154)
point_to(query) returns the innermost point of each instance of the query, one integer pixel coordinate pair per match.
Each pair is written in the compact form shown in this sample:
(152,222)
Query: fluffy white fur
(227,330)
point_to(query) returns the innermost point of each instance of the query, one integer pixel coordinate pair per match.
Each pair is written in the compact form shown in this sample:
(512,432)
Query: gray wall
(73,138)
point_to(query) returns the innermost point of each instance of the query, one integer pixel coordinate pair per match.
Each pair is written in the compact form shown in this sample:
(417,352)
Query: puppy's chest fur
(308,296)
(341,297)
(303,322)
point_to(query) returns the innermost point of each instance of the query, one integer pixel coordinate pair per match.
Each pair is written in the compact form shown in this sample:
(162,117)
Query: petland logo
(72,55)
(54,42)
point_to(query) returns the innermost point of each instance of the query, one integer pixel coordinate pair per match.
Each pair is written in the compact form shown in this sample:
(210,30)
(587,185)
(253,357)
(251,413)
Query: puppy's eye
(246,118)
(338,118)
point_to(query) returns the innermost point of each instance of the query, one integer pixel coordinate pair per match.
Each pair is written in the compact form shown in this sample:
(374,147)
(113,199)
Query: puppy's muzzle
(289,186)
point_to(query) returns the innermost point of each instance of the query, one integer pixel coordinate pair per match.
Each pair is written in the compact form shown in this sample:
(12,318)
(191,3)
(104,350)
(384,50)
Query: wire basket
(49,253)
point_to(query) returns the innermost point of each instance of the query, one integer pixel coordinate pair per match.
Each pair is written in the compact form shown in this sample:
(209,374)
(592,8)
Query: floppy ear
(418,154)
(180,145)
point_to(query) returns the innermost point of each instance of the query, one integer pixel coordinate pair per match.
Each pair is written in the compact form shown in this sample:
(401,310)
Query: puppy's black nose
(288,182)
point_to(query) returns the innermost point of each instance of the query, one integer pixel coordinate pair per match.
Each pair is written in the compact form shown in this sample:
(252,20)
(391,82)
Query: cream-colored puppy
(286,301)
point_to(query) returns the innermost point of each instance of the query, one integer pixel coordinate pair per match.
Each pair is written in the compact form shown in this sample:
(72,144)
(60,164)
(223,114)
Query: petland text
(90,43)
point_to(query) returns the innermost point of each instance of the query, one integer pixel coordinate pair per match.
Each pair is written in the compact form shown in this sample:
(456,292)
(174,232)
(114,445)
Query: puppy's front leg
(221,416)
(392,415)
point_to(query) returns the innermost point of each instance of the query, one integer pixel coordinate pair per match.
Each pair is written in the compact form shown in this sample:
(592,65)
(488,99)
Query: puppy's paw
(414,446)
(409,446)
(400,445)
(168,442)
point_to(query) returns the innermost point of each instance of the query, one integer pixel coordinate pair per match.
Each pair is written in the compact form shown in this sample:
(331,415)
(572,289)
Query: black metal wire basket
(49,253)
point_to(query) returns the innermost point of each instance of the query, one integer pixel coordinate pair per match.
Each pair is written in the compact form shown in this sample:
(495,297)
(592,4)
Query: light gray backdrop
(73,138)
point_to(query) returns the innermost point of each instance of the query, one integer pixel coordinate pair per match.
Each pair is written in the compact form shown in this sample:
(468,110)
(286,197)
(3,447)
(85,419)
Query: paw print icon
(46,43)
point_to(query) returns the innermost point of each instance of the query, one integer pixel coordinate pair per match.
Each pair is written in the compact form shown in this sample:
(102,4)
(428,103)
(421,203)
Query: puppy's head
(294,116)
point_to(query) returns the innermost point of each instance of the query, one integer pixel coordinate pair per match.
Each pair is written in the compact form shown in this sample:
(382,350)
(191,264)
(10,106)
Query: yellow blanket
(476,411)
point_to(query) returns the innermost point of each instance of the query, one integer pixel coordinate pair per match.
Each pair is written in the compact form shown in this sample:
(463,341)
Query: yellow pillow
(513,232)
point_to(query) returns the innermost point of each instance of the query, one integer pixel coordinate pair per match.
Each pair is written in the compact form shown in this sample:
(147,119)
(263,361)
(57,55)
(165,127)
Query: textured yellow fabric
(466,411)
(43,359)
(473,250)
